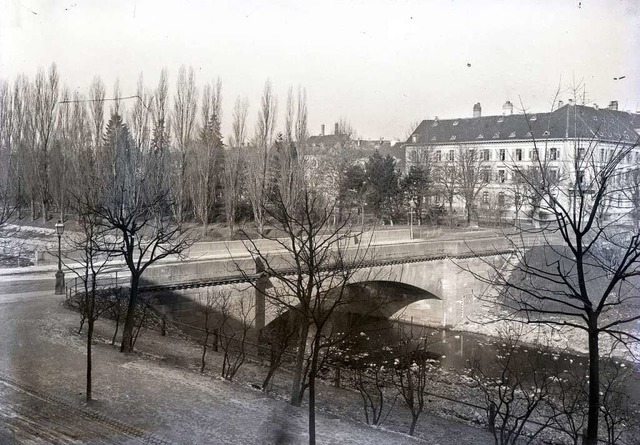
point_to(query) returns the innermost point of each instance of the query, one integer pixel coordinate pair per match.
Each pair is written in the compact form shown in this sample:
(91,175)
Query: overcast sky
(381,64)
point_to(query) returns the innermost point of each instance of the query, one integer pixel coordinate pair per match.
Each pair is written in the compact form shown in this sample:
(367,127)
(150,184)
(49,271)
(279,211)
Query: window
(580,176)
(512,134)
(438,156)
(554,176)
(414,138)
(434,139)
(485,197)
(534,118)
(553,153)
(486,155)
(438,199)
(501,199)
(580,153)
(533,154)
(503,154)
(546,133)
(435,123)
(637,157)
(501,176)
(518,154)
(496,136)
(629,158)
(451,156)
(602,155)
(501,119)
(453,137)
(486,176)
(455,123)
(480,136)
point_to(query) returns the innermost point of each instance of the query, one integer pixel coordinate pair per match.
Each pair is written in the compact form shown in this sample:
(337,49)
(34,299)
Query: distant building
(509,139)
(325,154)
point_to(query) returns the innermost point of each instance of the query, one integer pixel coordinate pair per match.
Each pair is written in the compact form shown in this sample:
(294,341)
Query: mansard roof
(567,122)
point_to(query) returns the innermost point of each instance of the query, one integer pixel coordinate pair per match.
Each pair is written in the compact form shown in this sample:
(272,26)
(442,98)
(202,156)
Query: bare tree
(514,387)
(233,171)
(258,168)
(8,198)
(158,160)
(185,103)
(446,178)
(581,272)
(133,211)
(302,117)
(310,279)
(470,180)
(92,245)
(45,94)
(207,160)
(280,335)
(208,306)
(233,339)
(413,368)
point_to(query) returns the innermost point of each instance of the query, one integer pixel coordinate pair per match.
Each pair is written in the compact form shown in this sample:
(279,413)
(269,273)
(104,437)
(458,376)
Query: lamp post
(59,274)
(412,207)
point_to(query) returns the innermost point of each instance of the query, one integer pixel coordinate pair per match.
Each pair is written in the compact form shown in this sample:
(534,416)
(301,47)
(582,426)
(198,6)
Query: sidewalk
(158,393)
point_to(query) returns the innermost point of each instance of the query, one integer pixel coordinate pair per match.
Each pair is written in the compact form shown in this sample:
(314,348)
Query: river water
(456,350)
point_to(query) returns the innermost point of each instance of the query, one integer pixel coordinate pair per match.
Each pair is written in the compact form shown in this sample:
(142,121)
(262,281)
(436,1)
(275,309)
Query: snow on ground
(159,388)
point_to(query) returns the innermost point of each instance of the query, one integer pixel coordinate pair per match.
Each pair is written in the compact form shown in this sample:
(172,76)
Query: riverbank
(159,392)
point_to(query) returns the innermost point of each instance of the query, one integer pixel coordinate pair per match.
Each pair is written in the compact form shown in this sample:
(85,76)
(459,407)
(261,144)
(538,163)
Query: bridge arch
(378,298)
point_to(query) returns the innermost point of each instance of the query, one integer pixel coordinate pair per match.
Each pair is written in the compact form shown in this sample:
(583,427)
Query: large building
(509,140)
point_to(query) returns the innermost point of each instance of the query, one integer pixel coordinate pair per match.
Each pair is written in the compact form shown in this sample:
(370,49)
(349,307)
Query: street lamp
(59,274)
(412,207)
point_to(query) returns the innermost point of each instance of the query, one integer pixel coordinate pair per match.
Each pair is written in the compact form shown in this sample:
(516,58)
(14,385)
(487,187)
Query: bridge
(423,281)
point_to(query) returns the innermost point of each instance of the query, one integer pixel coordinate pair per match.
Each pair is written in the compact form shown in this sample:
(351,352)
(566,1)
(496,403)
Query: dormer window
(453,137)
(595,118)
(480,136)
(546,133)
(528,134)
(435,123)
(501,119)
(512,134)
(496,136)
(455,123)
(433,138)
(534,118)
(414,138)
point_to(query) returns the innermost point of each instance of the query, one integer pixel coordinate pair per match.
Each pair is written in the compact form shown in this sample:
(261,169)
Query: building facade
(509,142)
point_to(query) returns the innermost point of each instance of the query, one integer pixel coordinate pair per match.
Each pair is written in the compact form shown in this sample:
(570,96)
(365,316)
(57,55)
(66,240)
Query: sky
(382,65)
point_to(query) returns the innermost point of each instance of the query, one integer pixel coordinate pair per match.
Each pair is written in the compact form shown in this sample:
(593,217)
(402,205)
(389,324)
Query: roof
(569,121)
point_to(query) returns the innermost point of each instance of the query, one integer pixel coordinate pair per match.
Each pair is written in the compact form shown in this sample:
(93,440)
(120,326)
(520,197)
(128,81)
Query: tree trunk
(204,350)
(312,390)
(89,364)
(127,330)
(296,399)
(594,386)
(45,213)
(414,421)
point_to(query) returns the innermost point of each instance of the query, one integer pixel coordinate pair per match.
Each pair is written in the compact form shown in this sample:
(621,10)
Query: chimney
(613,105)
(507,108)
(322,130)
(560,104)
(336,130)
(477,110)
